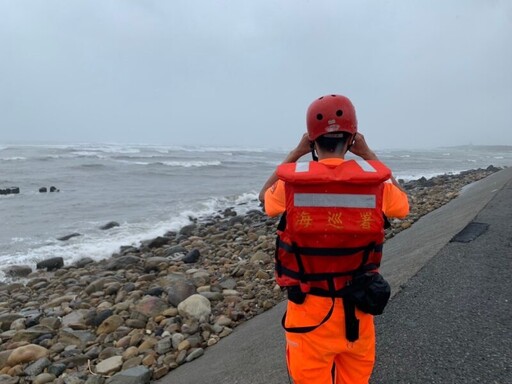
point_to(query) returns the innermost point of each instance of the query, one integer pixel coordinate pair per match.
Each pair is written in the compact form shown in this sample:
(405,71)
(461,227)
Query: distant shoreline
(481,147)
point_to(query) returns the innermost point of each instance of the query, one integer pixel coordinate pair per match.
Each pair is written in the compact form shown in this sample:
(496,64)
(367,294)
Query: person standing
(329,245)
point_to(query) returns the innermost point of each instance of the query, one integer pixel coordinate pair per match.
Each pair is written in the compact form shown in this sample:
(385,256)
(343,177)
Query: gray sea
(150,190)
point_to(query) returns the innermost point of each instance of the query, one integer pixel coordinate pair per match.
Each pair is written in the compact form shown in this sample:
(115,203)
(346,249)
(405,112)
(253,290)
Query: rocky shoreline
(148,309)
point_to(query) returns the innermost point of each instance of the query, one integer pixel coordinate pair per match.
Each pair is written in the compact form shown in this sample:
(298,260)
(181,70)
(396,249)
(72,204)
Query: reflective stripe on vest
(334,200)
(302,167)
(365,166)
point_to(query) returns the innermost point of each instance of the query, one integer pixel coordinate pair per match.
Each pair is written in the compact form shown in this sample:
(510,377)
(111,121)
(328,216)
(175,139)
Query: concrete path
(254,352)
(452,322)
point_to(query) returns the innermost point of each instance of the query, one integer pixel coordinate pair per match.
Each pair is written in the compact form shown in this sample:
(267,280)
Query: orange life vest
(333,225)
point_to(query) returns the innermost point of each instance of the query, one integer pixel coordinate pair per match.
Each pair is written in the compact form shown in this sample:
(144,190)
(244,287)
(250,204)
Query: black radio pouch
(369,292)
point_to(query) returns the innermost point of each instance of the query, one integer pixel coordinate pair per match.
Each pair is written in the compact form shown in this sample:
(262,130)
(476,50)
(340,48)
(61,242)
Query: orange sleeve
(395,202)
(275,199)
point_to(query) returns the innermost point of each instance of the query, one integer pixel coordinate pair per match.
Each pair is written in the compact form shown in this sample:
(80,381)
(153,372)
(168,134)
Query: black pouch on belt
(295,295)
(369,292)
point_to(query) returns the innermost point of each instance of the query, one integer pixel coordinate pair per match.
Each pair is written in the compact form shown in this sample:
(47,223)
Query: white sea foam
(184,164)
(427,175)
(188,164)
(99,244)
(14,158)
(215,149)
(107,148)
(87,154)
(132,162)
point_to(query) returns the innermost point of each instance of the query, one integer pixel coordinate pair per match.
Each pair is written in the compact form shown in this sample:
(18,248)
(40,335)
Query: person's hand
(303,147)
(360,148)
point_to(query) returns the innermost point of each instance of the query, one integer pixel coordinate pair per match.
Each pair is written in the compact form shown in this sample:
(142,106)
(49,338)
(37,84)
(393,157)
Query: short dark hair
(332,144)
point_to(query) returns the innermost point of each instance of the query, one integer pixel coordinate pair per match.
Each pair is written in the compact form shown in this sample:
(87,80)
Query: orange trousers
(310,356)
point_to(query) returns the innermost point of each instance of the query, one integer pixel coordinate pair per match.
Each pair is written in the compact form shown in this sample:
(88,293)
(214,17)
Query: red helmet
(331,114)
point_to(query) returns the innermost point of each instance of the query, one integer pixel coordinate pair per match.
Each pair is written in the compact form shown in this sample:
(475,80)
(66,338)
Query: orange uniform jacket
(310,356)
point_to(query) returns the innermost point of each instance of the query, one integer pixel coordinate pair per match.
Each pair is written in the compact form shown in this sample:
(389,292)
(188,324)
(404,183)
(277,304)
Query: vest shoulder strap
(349,171)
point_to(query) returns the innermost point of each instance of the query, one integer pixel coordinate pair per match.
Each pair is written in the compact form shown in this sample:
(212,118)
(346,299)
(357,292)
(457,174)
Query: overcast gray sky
(243,72)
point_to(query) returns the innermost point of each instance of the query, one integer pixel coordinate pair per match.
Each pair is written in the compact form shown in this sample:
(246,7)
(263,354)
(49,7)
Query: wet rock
(51,264)
(191,257)
(188,230)
(109,225)
(122,262)
(67,237)
(158,242)
(83,262)
(18,270)
(43,190)
(54,189)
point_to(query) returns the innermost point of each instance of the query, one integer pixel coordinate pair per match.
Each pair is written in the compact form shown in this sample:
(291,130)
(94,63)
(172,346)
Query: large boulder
(18,270)
(151,306)
(195,307)
(51,264)
(179,288)
(122,262)
(26,354)
(158,242)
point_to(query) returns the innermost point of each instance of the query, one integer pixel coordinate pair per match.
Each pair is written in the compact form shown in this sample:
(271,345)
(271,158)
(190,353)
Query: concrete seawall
(254,353)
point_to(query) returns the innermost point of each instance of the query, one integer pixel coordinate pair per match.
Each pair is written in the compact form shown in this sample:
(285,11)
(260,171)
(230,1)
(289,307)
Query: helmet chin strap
(313,153)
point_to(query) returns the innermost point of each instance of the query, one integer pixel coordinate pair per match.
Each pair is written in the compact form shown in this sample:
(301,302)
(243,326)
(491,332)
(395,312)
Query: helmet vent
(319,116)
(339,112)
(320,98)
